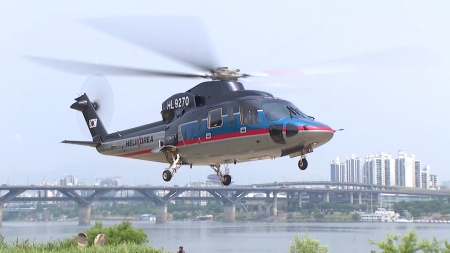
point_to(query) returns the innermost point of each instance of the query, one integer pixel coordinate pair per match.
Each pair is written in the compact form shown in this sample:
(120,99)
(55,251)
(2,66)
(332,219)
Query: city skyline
(382,169)
(144,180)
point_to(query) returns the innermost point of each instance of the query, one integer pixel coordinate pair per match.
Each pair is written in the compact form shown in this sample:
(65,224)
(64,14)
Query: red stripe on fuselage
(140,152)
(322,128)
(313,128)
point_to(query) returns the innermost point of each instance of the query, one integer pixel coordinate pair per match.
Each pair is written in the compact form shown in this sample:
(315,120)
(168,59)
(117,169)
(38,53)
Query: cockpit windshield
(278,109)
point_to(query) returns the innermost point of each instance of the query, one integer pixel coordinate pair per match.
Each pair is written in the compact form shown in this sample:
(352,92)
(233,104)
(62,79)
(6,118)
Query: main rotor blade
(390,59)
(180,38)
(83,68)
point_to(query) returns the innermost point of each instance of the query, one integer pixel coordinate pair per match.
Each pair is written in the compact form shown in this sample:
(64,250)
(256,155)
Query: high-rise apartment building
(354,172)
(425,178)
(405,170)
(338,171)
(369,174)
(378,169)
(68,180)
(417,172)
(389,166)
(434,181)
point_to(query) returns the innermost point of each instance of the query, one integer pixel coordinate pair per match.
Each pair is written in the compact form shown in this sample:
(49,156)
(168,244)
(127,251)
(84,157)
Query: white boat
(204,218)
(402,220)
(380,215)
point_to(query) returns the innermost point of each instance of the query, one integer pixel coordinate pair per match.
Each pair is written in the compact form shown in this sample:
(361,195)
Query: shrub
(117,234)
(307,244)
(356,216)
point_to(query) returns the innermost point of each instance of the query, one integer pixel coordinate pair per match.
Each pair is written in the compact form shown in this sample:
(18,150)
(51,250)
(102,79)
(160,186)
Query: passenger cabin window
(215,118)
(249,112)
(230,115)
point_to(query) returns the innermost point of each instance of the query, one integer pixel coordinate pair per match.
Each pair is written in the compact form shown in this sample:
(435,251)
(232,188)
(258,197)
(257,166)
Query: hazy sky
(394,101)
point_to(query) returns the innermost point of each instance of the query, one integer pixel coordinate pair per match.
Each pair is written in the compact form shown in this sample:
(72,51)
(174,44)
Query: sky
(394,98)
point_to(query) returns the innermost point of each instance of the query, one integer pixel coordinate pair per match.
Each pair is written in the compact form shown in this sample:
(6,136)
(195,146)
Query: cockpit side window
(168,116)
(278,109)
(249,112)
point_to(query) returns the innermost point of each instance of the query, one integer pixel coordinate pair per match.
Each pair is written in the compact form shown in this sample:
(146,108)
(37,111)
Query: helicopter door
(171,138)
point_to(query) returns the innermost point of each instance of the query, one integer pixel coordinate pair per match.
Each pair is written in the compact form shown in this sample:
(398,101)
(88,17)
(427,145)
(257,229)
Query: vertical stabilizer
(93,122)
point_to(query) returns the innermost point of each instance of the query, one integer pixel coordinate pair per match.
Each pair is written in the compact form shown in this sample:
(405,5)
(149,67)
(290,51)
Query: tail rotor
(100,92)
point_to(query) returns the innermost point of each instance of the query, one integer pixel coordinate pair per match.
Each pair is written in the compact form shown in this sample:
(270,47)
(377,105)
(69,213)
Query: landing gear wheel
(303,164)
(175,161)
(226,180)
(167,175)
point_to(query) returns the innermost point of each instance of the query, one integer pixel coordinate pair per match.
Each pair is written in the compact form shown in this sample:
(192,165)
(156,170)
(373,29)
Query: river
(216,236)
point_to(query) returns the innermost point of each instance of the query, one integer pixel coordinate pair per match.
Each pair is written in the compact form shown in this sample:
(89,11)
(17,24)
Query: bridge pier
(300,195)
(84,214)
(1,215)
(326,197)
(268,206)
(161,212)
(275,204)
(351,197)
(360,198)
(229,212)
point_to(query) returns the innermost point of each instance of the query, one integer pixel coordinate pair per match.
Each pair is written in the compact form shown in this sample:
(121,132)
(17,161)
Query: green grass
(67,246)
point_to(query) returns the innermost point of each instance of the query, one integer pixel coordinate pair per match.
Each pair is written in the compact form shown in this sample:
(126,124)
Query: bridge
(229,196)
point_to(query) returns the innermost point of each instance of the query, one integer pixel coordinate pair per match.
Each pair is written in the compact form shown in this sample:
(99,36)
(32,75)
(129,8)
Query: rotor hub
(225,74)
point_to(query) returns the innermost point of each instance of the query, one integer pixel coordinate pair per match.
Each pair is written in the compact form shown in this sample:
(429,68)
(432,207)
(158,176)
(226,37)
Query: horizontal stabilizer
(83,143)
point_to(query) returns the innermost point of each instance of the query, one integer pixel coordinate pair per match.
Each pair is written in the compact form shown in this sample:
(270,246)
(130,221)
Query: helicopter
(215,122)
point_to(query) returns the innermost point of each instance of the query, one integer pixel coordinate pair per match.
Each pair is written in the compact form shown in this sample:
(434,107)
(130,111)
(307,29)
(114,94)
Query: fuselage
(251,126)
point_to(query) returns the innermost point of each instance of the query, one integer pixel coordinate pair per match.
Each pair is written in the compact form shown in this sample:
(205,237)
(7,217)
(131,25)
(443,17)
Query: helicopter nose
(310,133)
(292,129)
(317,135)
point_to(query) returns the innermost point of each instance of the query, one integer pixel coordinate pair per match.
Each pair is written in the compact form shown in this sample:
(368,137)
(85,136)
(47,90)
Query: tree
(318,215)
(309,206)
(409,244)
(356,216)
(307,244)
